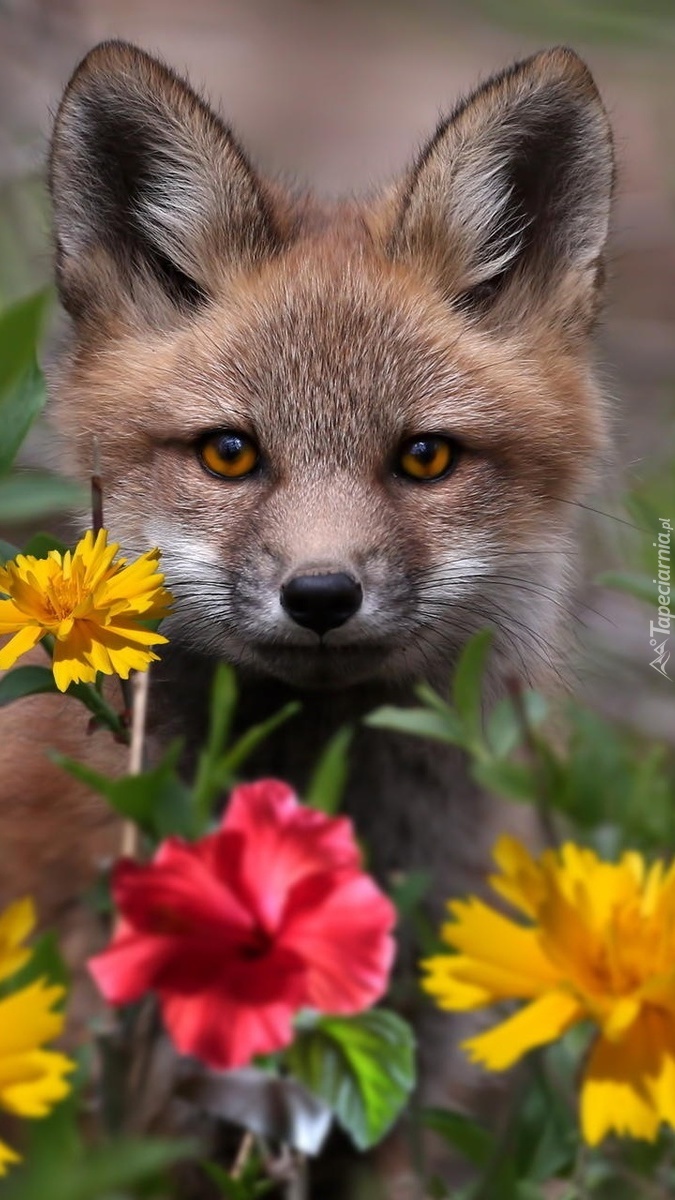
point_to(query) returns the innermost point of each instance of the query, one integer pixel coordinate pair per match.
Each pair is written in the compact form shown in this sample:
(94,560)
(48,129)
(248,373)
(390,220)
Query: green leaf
(546,1138)
(45,963)
(21,402)
(431,699)
(8,551)
(248,1187)
(327,785)
(28,681)
(25,681)
(20,328)
(236,756)
(473,1141)
(207,784)
(157,800)
(42,543)
(362,1067)
(408,892)
(420,722)
(503,728)
(467,683)
(30,495)
(513,780)
(66,1172)
(640,586)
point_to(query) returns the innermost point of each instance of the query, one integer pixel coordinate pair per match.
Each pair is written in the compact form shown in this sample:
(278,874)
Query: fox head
(357,431)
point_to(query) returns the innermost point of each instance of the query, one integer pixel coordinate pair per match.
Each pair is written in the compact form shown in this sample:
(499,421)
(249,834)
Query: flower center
(257,945)
(62,598)
(620,959)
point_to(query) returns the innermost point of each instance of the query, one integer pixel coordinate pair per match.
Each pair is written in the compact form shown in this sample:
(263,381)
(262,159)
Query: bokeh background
(339,93)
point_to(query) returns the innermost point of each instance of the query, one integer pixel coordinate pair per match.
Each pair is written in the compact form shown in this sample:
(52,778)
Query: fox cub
(358,432)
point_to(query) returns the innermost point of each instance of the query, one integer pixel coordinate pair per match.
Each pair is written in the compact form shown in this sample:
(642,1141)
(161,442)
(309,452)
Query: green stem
(100,709)
(542,783)
(91,698)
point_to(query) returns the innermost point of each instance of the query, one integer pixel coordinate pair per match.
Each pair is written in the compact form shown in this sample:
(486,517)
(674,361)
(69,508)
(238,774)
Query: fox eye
(426,457)
(229,454)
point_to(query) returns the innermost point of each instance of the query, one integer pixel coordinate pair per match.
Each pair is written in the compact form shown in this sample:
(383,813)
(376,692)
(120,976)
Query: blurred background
(339,93)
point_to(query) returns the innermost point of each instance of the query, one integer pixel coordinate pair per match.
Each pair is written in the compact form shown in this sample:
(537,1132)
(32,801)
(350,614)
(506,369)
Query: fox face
(358,431)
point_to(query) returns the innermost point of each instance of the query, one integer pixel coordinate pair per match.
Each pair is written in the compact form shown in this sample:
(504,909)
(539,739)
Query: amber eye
(426,457)
(229,454)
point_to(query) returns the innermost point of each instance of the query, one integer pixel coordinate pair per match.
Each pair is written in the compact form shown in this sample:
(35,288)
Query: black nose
(321,602)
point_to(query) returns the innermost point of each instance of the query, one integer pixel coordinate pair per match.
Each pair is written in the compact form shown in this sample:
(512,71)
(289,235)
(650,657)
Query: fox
(360,430)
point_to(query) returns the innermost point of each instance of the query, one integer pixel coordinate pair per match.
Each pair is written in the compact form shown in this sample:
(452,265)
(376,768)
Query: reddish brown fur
(458,302)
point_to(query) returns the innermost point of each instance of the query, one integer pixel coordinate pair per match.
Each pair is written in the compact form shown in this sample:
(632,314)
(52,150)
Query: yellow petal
(21,643)
(8,1157)
(621,1017)
(507,956)
(78,596)
(31,1083)
(615,1095)
(71,658)
(16,923)
(521,882)
(130,633)
(11,617)
(27,1020)
(546,1018)
(449,992)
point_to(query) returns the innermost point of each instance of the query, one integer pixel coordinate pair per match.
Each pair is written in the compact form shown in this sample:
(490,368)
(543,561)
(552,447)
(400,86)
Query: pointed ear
(154,201)
(509,203)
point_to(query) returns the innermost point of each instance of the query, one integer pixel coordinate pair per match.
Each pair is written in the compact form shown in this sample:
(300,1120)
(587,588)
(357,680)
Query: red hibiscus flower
(238,931)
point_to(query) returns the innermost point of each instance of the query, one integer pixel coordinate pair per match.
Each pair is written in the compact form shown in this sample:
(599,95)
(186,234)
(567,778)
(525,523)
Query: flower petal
(30,1084)
(21,643)
(343,937)
(177,894)
(130,966)
(71,658)
(16,923)
(547,1018)
(222,1032)
(522,882)
(285,842)
(27,1019)
(498,954)
(615,1094)
(449,989)
(8,1157)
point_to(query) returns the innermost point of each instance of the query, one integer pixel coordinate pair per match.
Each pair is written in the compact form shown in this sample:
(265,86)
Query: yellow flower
(16,922)
(91,604)
(32,1079)
(598,943)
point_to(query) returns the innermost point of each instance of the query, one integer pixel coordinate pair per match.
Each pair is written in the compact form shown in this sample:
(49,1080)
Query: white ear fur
(148,183)
(519,177)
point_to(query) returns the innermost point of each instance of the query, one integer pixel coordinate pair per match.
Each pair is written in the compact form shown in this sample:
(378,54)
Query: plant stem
(296,1188)
(96,488)
(92,698)
(140,688)
(243,1154)
(546,822)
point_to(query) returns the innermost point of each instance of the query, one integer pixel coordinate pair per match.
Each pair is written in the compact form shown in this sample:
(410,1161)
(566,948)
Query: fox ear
(509,202)
(153,198)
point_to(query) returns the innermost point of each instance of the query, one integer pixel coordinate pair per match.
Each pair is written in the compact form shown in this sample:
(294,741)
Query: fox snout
(321,602)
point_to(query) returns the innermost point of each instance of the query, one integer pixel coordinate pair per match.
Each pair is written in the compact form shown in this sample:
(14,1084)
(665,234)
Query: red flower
(238,931)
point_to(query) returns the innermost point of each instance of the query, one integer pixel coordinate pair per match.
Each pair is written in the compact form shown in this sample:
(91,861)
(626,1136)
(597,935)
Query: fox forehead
(332,353)
(458,300)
